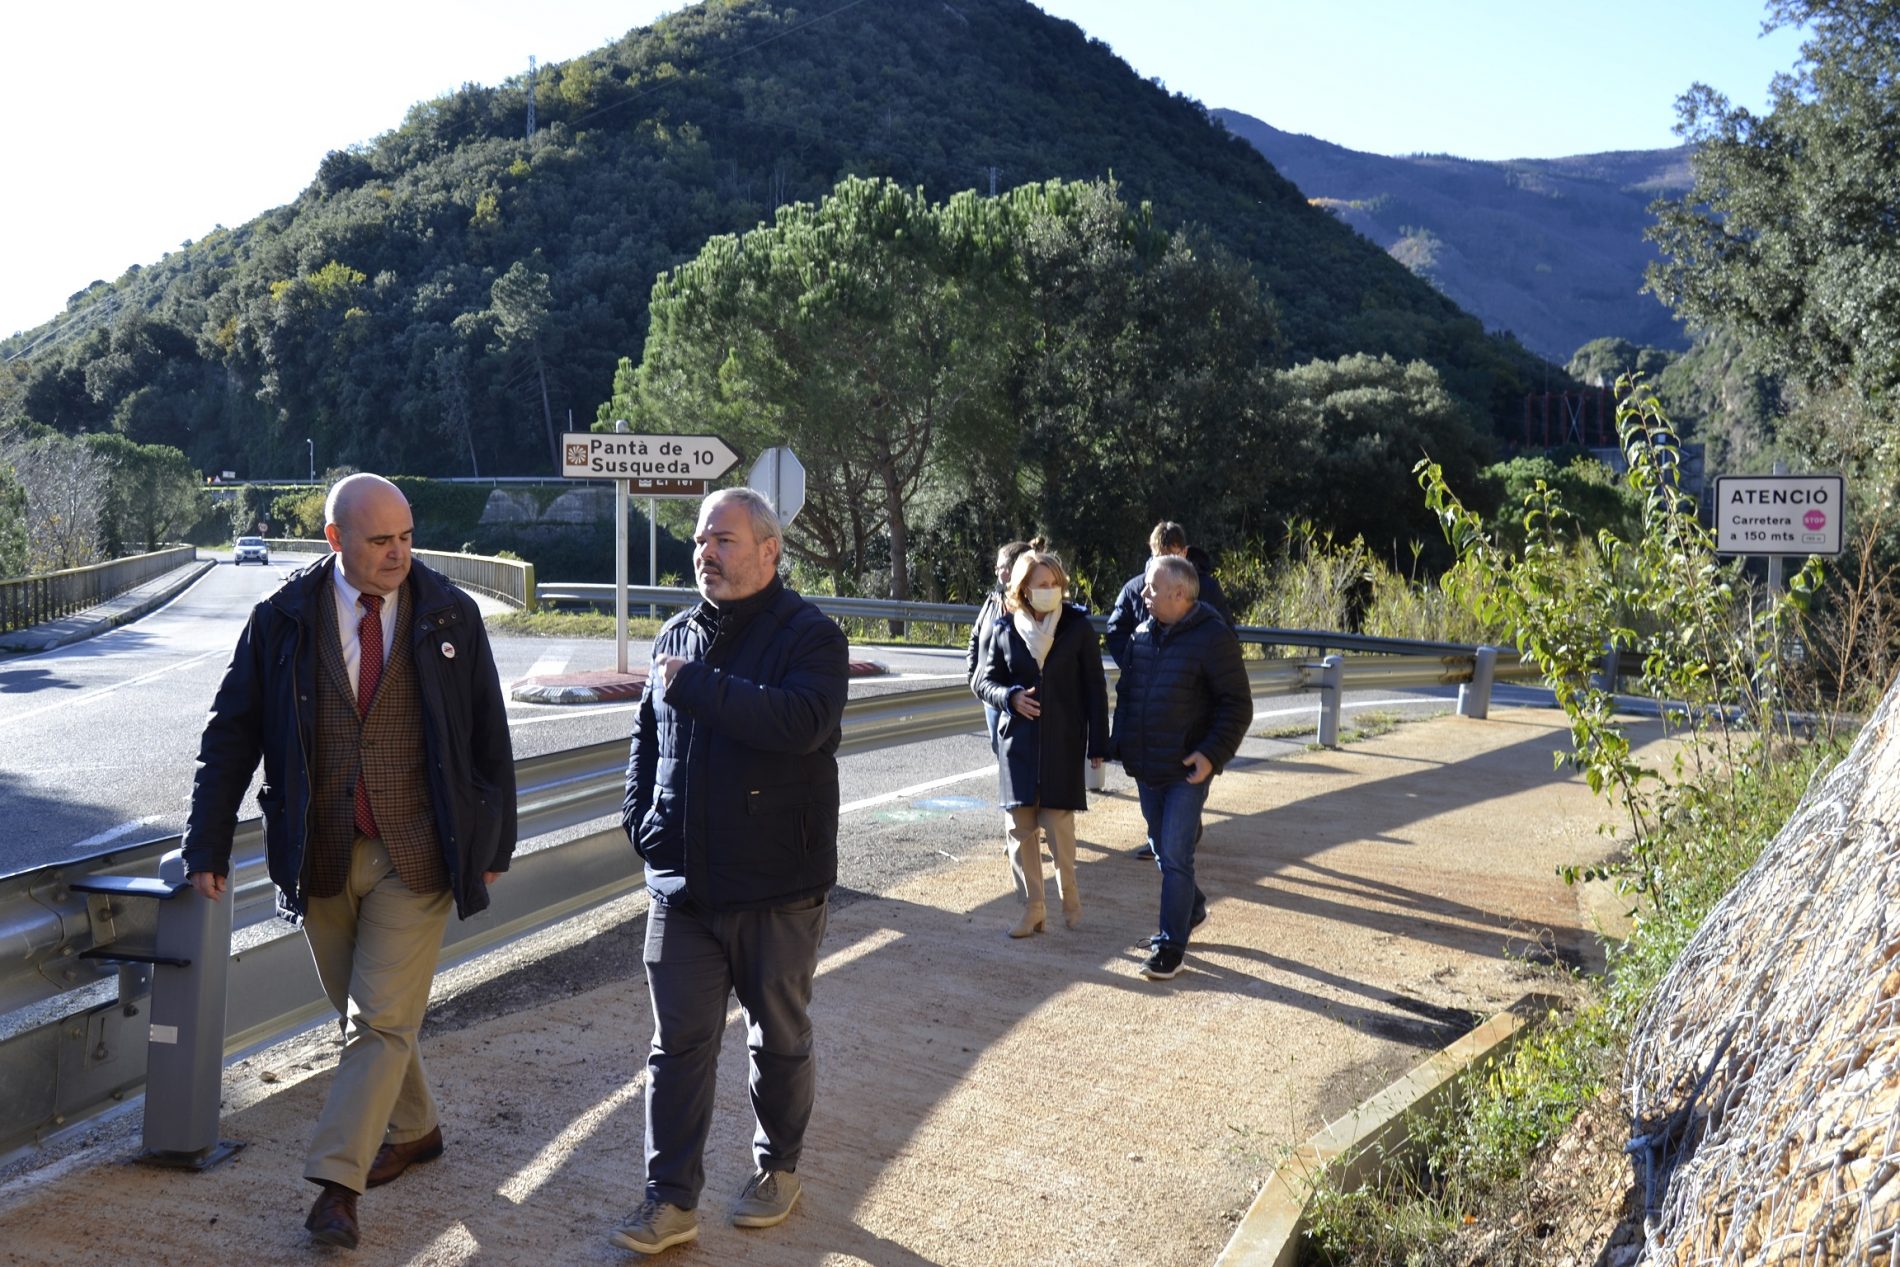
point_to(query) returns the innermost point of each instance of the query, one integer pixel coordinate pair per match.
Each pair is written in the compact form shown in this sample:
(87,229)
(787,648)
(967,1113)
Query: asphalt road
(97,739)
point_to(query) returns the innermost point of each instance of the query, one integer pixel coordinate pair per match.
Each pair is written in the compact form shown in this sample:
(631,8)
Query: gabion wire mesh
(1765,1076)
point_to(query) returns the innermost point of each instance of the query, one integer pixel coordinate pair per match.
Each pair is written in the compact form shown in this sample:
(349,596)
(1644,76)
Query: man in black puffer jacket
(1182,707)
(732,803)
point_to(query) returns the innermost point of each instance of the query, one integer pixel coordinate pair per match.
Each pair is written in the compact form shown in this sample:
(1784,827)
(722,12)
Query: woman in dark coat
(1044,677)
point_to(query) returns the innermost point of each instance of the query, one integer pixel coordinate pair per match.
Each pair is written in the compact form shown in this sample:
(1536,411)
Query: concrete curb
(1358,1144)
(97,620)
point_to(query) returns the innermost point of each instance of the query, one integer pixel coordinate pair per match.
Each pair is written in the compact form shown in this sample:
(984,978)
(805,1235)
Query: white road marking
(903,792)
(123,829)
(88,696)
(553,662)
(561,712)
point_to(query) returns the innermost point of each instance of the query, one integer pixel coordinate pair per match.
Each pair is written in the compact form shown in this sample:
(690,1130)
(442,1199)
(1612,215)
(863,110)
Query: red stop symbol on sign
(1814,520)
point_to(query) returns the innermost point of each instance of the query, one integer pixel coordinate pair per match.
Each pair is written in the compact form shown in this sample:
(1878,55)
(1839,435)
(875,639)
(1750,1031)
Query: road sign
(625,456)
(780,476)
(669,488)
(1779,514)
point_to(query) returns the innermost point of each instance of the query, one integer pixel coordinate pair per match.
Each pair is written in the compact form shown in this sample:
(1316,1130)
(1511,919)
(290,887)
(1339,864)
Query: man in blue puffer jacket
(732,804)
(1182,706)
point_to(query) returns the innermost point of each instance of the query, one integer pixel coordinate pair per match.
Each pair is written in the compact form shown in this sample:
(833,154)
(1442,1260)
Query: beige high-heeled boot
(1059,827)
(1033,921)
(1025,864)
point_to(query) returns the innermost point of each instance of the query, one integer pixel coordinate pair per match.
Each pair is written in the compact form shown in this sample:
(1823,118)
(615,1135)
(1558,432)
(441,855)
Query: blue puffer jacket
(265,708)
(1131,609)
(732,781)
(1182,690)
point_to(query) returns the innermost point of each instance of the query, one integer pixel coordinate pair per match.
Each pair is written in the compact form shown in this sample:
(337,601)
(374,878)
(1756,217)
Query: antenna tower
(530,133)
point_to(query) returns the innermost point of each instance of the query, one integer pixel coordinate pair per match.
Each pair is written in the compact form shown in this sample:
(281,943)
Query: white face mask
(1045,598)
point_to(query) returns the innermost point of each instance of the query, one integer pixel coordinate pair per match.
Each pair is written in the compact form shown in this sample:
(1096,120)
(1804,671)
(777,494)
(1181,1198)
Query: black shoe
(1143,850)
(1199,917)
(1164,963)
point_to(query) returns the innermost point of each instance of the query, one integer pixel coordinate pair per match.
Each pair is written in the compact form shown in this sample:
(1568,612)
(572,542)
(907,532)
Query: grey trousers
(695,960)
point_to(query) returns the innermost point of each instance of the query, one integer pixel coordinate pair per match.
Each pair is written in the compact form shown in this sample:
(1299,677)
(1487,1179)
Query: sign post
(620,564)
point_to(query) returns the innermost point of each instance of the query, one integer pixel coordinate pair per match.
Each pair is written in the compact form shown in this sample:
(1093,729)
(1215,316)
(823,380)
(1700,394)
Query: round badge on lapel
(448,651)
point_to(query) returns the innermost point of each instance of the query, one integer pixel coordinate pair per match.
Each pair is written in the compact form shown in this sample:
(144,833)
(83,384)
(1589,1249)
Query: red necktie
(369,672)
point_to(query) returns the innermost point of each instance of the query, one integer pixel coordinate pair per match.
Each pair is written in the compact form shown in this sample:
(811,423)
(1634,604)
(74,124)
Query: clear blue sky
(134,126)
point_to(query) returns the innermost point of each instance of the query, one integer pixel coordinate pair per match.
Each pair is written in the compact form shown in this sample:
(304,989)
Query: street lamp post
(313,458)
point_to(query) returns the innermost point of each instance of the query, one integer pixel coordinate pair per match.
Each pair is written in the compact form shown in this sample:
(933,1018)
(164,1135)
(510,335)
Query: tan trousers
(375,946)
(1025,853)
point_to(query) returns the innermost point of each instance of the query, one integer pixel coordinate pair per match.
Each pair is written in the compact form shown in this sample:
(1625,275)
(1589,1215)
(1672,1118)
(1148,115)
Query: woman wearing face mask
(1044,677)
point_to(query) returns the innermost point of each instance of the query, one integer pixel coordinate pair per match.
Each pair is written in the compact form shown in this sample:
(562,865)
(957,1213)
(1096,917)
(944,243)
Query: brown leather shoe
(393,1159)
(332,1219)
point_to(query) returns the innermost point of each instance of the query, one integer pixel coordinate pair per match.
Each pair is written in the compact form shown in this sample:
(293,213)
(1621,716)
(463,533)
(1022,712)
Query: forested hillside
(441,300)
(1550,249)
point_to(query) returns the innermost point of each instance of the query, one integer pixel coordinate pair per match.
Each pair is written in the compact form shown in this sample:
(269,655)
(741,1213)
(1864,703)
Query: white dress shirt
(349,615)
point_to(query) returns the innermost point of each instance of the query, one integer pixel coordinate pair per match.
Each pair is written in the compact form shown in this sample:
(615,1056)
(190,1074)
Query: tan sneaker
(655,1226)
(766,1199)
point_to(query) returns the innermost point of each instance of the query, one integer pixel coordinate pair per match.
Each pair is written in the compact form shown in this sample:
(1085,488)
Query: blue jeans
(1173,811)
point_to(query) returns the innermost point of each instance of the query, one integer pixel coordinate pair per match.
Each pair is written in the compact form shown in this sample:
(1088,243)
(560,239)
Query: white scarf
(1037,634)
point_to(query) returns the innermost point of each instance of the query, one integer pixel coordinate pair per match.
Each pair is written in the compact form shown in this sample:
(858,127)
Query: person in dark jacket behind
(1044,675)
(388,795)
(732,804)
(1182,706)
(1167,538)
(982,633)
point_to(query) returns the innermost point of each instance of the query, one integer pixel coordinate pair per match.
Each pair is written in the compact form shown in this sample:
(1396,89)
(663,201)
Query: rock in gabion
(1766,1069)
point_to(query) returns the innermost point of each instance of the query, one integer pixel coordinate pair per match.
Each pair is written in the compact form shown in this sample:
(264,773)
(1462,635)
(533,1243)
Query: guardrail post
(1474,697)
(1611,667)
(1331,678)
(184,1062)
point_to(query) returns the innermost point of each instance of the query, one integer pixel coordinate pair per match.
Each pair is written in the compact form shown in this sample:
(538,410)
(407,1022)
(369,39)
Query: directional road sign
(780,476)
(1779,514)
(625,456)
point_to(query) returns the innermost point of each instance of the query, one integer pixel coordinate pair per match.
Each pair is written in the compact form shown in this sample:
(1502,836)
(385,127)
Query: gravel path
(981,1100)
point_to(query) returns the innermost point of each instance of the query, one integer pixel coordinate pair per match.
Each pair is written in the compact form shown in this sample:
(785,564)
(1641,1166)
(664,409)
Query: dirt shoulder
(981,1100)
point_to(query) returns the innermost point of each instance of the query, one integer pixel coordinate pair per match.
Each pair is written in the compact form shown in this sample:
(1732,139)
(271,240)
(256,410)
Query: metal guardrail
(31,600)
(674,597)
(57,937)
(510,580)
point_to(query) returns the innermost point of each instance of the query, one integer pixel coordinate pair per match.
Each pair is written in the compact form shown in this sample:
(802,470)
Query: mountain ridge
(434,299)
(1550,250)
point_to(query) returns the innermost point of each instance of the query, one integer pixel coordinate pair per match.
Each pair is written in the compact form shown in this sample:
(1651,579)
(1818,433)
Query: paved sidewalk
(981,1100)
(118,610)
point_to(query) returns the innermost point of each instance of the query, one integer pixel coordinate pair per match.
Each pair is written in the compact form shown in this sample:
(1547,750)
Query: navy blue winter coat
(266,708)
(732,779)
(1040,760)
(1131,609)
(982,634)
(1182,690)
